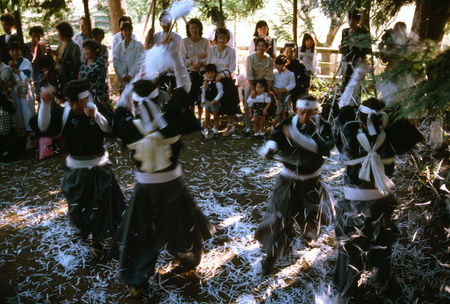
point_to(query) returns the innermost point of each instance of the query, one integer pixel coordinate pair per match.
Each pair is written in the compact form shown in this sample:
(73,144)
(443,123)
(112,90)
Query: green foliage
(137,9)
(236,9)
(432,93)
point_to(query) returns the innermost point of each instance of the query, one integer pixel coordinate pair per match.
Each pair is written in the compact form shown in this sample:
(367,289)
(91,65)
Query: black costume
(302,79)
(298,192)
(89,186)
(161,213)
(364,229)
(355,45)
(4,53)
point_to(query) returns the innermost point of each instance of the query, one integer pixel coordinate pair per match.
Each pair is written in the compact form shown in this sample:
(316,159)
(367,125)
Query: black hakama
(293,201)
(364,228)
(298,196)
(95,200)
(161,214)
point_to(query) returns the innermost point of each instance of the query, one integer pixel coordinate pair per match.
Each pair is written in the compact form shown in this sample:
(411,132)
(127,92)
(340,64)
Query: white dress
(23,95)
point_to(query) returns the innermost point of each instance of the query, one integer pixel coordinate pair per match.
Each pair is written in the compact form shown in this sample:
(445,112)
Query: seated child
(212,92)
(284,82)
(258,107)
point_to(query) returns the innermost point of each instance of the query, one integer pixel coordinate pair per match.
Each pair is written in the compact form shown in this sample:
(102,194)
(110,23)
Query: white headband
(153,94)
(370,112)
(306,104)
(83,95)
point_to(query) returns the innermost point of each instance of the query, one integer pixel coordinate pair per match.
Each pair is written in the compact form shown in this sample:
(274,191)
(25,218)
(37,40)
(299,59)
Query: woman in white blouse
(224,58)
(194,50)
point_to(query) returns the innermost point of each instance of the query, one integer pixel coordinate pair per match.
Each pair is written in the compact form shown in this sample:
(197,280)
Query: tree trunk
(294,22)
(116,10)
(430,18)
(335,25)
(220,6)
(87,17)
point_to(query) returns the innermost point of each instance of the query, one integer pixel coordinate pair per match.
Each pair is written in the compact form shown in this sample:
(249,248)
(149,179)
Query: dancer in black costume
(89,186)
(365,231)
(300,143)
(161,213)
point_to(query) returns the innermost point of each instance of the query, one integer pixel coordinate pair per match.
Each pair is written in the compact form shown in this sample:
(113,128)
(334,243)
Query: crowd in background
(265,92)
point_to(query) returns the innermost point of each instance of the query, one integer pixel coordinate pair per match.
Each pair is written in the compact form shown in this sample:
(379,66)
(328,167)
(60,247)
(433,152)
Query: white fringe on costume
(353,88)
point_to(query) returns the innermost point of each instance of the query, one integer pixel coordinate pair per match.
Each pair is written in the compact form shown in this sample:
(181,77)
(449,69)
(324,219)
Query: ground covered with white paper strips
(42,261)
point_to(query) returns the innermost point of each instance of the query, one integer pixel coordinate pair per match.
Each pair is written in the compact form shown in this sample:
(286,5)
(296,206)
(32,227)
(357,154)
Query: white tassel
(180,9)
(157,60)
(351,92)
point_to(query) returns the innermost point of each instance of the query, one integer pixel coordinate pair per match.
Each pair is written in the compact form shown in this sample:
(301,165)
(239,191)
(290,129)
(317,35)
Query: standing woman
(259,67)
(224,58)
(195,50)
(93,70)
(262,31)
(22,94)
(67,56)
(308,56)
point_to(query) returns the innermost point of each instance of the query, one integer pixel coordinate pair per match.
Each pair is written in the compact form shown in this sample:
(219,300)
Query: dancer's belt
(356,194)
(158,178)
(89,163)
(302,177)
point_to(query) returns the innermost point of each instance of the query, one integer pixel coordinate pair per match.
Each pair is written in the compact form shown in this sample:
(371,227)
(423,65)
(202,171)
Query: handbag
(5,123)
(45,147)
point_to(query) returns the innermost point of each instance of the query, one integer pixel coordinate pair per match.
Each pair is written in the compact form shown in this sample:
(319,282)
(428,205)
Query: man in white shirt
(119,36)
(8,25)
(127,56)
(80,37)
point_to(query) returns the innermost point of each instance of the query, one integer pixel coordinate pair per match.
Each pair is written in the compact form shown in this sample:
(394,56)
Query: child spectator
(258,107)
(308,57)
(212,92)
(284,82)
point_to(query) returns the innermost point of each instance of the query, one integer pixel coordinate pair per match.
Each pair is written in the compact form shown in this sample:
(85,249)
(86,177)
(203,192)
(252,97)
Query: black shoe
(267,265)
(97,248)
(137,291)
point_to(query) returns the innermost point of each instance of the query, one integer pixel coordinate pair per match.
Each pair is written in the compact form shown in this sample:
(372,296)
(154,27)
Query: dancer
(300,143)
(161,213)
(365,231)
(355,45)
(89,186)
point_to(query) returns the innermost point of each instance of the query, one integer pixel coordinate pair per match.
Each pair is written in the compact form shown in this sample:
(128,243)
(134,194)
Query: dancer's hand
(89,112)
(47,94)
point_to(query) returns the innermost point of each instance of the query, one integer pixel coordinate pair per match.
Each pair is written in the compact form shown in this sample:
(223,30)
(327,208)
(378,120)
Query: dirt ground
(42,261)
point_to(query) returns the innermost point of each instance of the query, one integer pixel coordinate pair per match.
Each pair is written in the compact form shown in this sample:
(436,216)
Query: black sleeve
(324,138)
(123,126)
(344,132)
(403,136)
(178,115)
(55,123)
